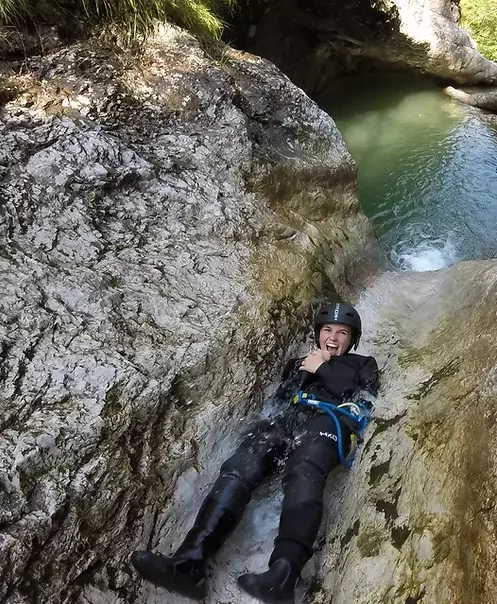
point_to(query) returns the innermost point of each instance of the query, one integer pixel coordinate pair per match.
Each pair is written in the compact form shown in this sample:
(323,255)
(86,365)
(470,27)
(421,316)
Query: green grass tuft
(480,18)
(133,18)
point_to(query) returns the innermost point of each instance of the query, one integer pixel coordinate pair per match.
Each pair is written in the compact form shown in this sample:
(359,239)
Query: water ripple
(427,169)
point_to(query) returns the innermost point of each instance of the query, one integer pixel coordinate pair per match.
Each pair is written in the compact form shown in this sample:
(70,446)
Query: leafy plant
(135,18)
(480,18)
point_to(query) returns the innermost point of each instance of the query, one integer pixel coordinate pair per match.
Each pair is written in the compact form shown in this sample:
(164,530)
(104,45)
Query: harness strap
(359,418)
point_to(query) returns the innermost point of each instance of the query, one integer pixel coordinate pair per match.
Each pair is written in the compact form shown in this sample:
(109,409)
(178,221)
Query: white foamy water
(425,256)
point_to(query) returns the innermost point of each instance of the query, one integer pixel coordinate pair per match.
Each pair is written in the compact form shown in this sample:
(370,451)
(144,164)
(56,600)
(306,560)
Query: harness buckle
(359,418)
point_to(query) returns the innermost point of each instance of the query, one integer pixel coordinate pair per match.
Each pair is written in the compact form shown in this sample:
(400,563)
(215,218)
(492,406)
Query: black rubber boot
(176,573)
(275,586)
(185,571)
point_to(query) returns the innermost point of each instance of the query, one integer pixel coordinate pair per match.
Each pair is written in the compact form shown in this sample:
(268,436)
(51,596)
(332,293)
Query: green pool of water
(427,168)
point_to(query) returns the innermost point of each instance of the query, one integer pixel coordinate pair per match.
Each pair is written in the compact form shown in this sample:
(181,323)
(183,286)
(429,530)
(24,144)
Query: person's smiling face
(335,338)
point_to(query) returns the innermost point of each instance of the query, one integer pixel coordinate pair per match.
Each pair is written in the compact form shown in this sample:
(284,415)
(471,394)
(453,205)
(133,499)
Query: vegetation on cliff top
(134,18)
(480,18)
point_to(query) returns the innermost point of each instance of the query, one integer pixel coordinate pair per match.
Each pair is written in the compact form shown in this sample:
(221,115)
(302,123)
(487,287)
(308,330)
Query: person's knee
(257,456)
(231,490)
(249,466)
(304,483)
(239,476)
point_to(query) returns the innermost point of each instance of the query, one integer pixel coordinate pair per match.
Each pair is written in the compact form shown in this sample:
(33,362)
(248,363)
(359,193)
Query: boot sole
(172,581)
(266,598)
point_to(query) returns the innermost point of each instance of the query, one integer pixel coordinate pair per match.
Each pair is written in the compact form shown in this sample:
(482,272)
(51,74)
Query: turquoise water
(427,169)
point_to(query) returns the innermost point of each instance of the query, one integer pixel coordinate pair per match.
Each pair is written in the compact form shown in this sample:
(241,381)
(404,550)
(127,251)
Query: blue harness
(358,414)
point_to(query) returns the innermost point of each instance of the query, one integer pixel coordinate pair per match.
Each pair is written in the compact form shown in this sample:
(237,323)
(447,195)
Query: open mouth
(331,347)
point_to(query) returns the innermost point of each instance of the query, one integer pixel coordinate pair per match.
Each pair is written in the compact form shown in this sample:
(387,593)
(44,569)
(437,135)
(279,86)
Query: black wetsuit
(310,439)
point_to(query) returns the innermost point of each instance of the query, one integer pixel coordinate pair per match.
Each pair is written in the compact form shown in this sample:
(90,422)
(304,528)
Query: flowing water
(427,168)
(428,179)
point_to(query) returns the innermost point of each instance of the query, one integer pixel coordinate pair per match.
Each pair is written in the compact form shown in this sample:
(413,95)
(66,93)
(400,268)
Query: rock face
(165,223)
(483,97)
(416,520)
(322,41)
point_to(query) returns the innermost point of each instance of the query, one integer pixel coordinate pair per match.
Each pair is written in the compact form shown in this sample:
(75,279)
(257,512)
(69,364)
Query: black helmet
(339,313)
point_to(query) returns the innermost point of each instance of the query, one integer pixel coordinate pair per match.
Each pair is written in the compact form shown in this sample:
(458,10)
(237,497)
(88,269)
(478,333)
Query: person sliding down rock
(316,438)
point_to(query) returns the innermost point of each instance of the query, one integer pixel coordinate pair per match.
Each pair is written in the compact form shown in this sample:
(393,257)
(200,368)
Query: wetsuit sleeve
(325,372)
(369,376)
(342,381)
(333,386)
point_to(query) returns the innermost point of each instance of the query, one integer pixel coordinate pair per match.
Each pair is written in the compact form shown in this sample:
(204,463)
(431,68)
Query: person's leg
(220,512)
(303,484)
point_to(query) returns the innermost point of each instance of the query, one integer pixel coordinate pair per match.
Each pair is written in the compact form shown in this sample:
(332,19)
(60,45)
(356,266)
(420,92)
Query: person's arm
(369,376)
(337,382)
(346,381)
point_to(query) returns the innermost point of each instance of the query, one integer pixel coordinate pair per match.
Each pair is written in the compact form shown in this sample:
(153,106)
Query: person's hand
(313,361)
